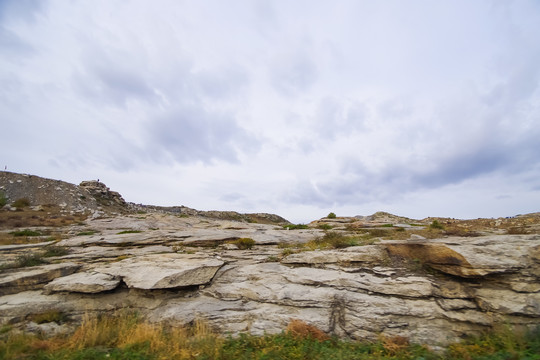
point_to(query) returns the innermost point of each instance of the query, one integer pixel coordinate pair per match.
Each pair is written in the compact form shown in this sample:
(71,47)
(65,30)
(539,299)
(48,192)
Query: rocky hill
(353,277)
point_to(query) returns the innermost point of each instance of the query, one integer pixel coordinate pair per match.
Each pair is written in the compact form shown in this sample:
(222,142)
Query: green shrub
(325,227)
(244,243)
(331,216)
(54,250)
(21,203)
(27,260)
(436,225)
(26,232)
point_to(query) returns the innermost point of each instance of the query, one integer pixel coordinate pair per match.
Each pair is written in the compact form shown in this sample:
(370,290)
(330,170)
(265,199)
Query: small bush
(271,258)
(28,260)
(21,203)
(54,250)
(244,243)
(436,225)
(287,252)
(26,232)
(325,227)
(331,216)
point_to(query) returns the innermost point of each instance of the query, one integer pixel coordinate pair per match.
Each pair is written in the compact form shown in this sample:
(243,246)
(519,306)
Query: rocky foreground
(430,282)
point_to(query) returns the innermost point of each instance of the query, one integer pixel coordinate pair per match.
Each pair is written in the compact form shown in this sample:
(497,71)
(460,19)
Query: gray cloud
(192,134)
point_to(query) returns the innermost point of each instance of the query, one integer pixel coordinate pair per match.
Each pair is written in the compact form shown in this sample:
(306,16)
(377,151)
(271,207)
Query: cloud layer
(301,108)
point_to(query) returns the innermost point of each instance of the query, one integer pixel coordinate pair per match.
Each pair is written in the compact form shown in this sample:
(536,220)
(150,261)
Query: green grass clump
(55,250)
(295,226)
(436,225)
(331,216)
(325,227)
(25,232)
(89,232)
(244,243)
(129,232)
(28,260)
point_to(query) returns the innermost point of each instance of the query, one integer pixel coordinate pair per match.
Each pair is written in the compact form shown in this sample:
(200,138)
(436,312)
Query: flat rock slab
(163,271)
(34,277)
(83,282)
(357,254)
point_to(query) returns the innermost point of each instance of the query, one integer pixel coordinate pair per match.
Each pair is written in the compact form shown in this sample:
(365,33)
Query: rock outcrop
(415,282)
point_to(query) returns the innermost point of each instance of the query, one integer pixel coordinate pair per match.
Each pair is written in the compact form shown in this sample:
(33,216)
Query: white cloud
(296,108)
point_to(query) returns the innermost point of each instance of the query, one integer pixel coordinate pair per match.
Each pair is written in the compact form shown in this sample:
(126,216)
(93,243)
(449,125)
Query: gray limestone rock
(83,282)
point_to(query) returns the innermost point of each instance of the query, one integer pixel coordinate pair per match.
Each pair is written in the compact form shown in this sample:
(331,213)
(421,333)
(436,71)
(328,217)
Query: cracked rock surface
(178,269)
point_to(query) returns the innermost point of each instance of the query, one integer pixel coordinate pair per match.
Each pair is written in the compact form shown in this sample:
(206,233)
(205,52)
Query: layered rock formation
(177,268)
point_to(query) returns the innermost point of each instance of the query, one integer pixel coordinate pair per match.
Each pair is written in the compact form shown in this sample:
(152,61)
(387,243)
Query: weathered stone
(469,258)
(34,277)
(508,302)
(83,282)
(358,254)
(163,271)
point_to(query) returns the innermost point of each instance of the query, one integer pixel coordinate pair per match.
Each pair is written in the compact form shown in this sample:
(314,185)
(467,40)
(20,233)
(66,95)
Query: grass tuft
(25,232)
(244,243)
(129,232)
(295,226)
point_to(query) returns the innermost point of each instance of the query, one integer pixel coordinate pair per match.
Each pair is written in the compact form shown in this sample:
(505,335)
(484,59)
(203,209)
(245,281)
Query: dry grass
(51,215)
(302,330)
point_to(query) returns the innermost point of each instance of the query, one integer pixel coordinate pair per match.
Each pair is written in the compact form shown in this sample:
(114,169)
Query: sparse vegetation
(21,203)
(331,216)
(244,243)
(127,336)
(88,232)
(25,232)
(325,227)
(55,250)
(295,226)
(336,240)
(49,316)
(517,231)
(435,224)
(272,258)
(129,232)
(27,260)
(3,199)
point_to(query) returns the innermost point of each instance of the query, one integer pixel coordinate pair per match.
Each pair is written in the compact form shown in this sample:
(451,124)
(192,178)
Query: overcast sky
(419,108)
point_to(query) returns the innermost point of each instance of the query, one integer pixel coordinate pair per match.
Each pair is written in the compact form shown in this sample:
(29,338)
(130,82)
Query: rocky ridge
(401,277)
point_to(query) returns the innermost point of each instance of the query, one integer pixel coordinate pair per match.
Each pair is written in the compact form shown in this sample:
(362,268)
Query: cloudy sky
(419,108)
